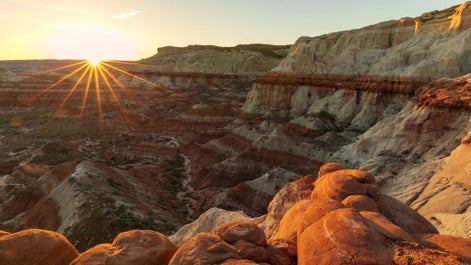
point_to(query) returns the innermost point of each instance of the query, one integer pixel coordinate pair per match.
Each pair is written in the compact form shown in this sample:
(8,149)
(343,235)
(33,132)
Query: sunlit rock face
(397,92)
(35,247)
(338,217)
(367,98)
(392,56)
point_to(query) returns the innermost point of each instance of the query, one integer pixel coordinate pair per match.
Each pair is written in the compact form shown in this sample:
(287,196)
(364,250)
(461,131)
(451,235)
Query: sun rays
(96,82)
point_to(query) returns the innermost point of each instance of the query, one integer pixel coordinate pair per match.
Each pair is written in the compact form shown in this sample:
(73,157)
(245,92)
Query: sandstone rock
(36,247)
(95,255)
(250,251)
(282,252)
(445,92)
(456,245)
(453,224)
(290,194)
(314,212)
(411,253)
(386,227)
(404,217)
(337,186)
(131,247)
(207,222)
(371,50)
(287,226)
(329,167)
(445,198)
(204,248)
(360,203)
(232,232)
(342,237)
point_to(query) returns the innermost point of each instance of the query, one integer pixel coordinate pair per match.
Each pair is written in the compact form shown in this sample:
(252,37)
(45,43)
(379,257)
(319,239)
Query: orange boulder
(36,247)
(232,232)
(337,186)
(342,237)
(131,248)
(204,248)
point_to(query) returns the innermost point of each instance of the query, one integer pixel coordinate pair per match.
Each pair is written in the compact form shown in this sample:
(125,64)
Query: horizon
(120,30)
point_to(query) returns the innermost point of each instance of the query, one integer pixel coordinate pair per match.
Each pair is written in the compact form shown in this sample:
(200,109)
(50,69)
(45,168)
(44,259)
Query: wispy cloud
(126,15)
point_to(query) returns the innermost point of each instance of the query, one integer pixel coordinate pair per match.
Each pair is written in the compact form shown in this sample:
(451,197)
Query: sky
(132,30)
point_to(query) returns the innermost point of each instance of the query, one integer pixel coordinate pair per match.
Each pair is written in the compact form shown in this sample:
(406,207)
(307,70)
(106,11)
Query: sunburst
(94,62)
(98,76)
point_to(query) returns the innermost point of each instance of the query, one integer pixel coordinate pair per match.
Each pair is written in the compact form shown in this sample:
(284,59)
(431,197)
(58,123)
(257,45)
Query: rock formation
(207,65)
(251,59)
(344,219)
(132,247)
(393,56)
(391,99)
(35,247)
(371,92)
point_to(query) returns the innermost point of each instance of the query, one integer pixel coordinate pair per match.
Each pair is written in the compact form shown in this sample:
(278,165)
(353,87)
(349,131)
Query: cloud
(127,15)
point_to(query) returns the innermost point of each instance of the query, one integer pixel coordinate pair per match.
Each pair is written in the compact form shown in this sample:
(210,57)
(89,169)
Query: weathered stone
(342,237)
(36,247)
(248,231)
(404,217)
(204,248)
(452,244)
(337,186)
(132,247)
(290,194)
(360,203)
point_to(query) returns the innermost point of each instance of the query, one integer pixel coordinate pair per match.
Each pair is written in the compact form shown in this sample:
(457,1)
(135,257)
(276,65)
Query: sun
(94,62)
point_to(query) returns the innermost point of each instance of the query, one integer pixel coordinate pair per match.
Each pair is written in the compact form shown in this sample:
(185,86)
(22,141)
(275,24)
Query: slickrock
(131,248)
(445,199)
(332,228)
(36,247)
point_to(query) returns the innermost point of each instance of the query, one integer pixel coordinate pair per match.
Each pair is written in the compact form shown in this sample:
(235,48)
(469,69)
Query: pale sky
(126,29)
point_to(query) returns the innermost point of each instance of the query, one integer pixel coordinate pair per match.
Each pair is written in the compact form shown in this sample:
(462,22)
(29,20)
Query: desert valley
(352,147)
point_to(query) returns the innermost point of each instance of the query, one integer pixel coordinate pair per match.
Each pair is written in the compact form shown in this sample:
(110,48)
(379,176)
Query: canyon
(207,139)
